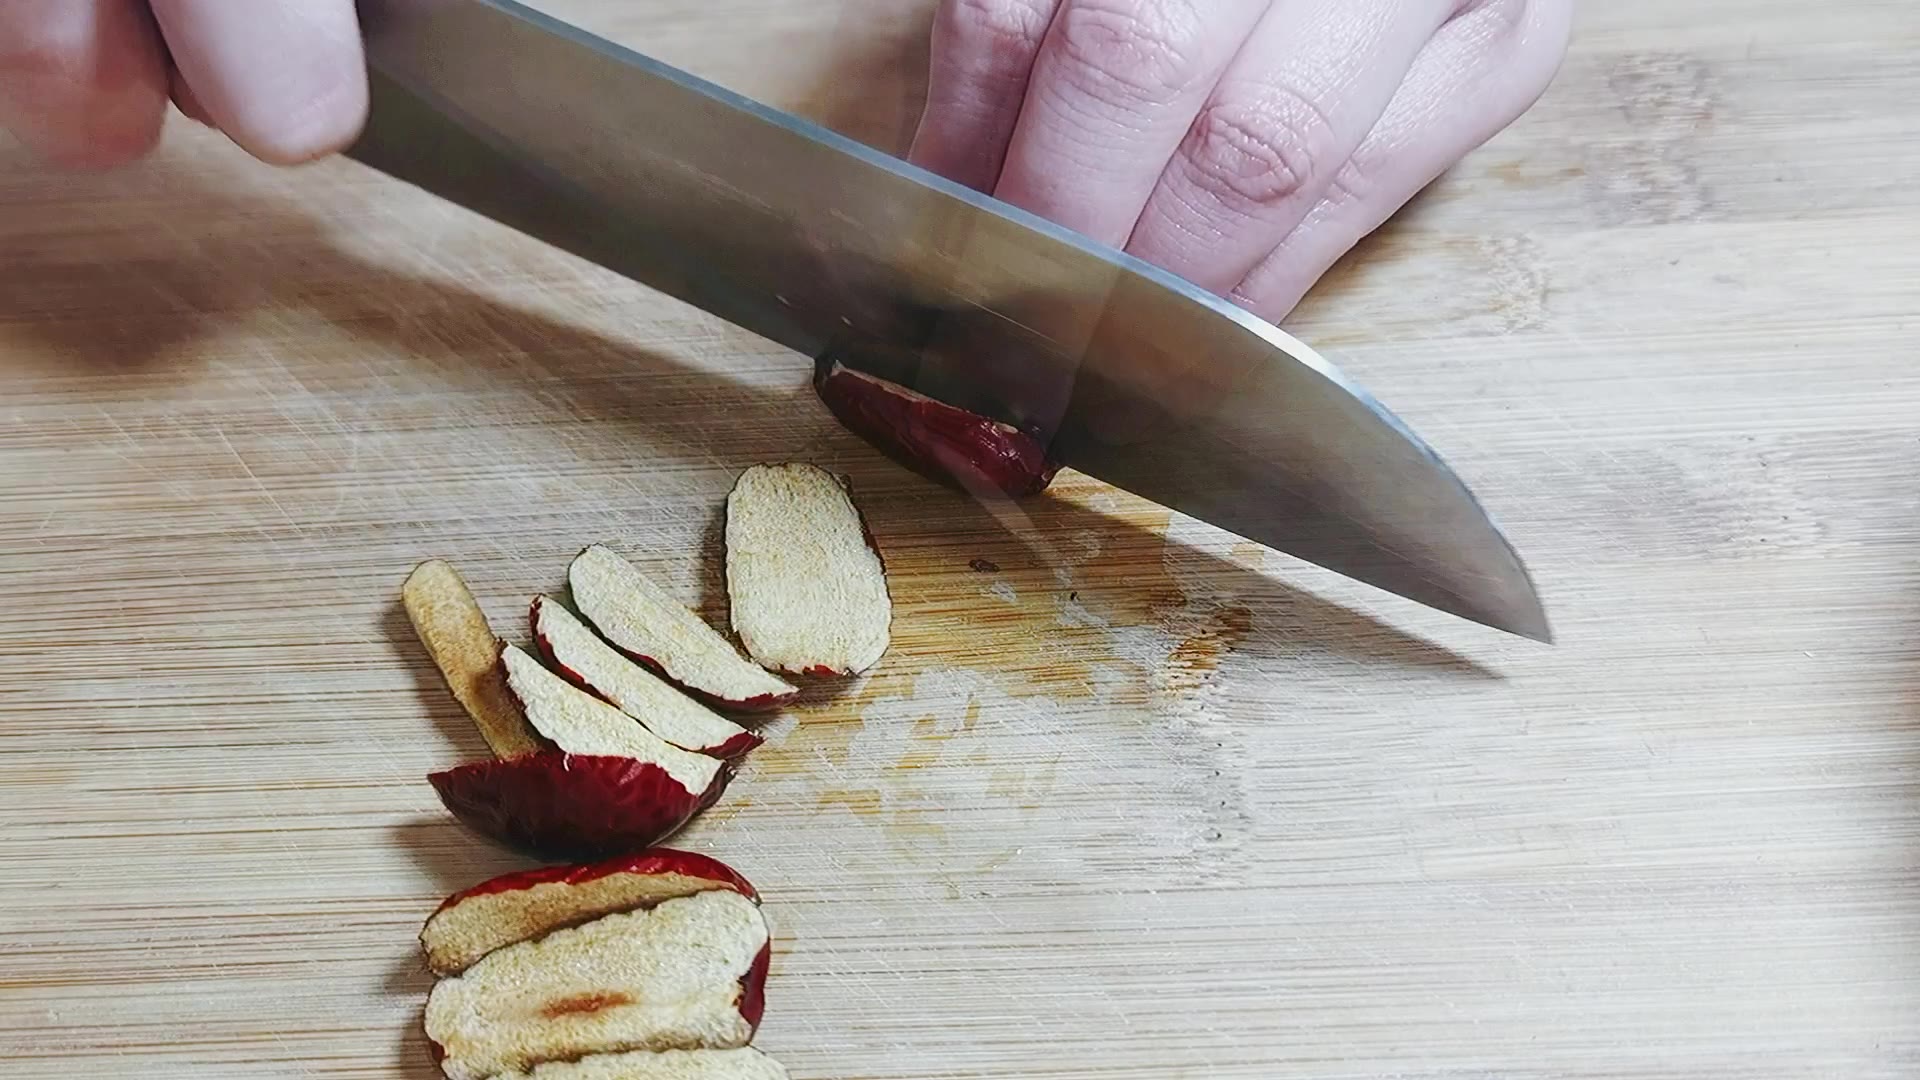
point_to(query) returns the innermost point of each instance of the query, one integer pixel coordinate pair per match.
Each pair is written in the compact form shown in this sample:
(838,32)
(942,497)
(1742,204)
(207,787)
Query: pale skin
(1244,144)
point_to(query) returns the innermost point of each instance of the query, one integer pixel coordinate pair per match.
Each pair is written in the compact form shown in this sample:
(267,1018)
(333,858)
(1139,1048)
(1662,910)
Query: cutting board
(1128,798)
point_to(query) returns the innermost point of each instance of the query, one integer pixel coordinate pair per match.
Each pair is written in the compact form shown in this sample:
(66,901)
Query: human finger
(1112,91)
(82,82)
(1478,75)
(983,53)
(1310,83)
(186,100)
(286,79)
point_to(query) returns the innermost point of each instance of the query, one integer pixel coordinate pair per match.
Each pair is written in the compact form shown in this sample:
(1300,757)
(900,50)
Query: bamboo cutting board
(1127,799)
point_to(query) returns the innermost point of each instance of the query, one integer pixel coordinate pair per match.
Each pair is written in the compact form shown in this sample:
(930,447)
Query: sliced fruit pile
(645,965)
(618,738)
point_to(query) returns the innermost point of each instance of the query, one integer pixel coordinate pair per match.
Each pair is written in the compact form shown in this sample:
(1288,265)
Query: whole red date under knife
(975,453)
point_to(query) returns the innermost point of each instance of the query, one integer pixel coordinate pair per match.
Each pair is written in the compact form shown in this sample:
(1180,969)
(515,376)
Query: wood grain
(1142,802)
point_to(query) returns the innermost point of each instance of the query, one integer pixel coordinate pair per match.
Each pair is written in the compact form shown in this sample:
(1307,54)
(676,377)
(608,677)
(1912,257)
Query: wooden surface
(1144,802)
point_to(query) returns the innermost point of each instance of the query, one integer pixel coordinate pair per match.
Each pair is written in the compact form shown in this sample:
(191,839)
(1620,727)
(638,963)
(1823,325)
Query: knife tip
(1529,622)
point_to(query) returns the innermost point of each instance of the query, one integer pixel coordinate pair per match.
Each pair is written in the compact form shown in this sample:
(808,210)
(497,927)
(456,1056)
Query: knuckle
(1133,51)
(1353,183)
(1507,15)
(995,28)
(1251,156)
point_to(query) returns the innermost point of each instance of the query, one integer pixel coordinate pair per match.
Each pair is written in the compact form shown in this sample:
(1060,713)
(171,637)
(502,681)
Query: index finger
(983,52)
(83,82)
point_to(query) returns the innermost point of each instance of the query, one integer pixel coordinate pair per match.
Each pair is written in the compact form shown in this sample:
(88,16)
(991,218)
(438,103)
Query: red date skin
(732,750)
(974,453)
(649,861)
(555,805)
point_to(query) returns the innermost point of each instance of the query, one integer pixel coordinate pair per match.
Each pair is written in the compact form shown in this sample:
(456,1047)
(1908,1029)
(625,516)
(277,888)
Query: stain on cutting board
(1074,665)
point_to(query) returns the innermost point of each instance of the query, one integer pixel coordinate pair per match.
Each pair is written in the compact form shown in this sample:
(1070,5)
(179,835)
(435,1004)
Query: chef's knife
(831,248)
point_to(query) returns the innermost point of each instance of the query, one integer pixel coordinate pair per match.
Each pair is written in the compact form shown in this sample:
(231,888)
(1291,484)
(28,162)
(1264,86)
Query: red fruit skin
(753,988)
(764,703)
(651,861)
(732,750)
(737,747)
(974,453)
(576,807)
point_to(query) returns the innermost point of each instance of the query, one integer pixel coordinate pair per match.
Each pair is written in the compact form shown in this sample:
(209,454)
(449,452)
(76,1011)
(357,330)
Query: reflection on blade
(779,226)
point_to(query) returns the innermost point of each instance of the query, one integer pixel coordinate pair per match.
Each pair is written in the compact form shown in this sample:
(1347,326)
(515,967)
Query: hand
(1243,144)
(86,82)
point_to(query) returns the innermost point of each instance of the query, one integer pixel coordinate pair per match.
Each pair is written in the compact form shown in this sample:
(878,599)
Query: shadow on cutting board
(410,979)
(455,859)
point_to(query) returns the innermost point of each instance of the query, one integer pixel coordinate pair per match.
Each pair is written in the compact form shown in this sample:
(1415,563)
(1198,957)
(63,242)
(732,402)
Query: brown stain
(918,823)
(1077,575)
(1197,656)
(1511,173)
(1031,646)
(1516,174)
(1083,562)
(864,802)
(590,1002)
(918,820)
(918,759)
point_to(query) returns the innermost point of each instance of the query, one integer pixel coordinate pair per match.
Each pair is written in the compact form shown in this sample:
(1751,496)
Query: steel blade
(830,247)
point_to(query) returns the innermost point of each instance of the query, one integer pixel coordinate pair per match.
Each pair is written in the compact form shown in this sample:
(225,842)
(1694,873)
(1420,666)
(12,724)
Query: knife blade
(1134,376)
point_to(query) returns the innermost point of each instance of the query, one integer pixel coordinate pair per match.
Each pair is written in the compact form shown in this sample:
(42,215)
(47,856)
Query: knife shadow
(412,1056)
(197,261)
(265,261)
(1116,569)
(454,859)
